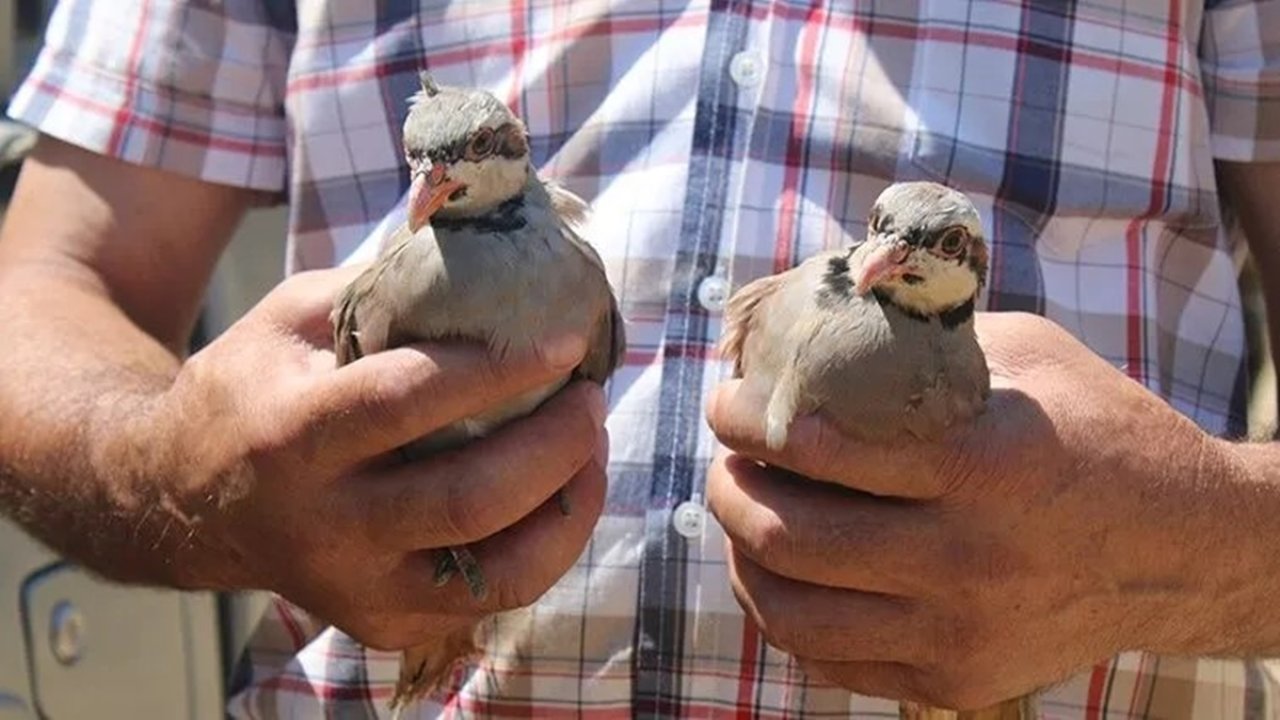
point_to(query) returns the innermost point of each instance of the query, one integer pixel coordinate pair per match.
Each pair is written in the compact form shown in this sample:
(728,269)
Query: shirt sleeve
(1240,67)
(188,86)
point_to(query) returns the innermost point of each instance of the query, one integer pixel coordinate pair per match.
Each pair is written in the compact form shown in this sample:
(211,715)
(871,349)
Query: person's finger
(464,495)
(823,534)
(390,398)
(519,563)
(907,468)
(300,305)
(889,680)
(826,623)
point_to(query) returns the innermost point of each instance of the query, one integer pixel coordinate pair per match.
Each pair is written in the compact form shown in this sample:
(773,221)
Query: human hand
(1077,517)
(286,478)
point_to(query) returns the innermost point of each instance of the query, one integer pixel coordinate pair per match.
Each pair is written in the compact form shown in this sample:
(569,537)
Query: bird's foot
(913,711)
(414,686)
(460,560)
(426,669)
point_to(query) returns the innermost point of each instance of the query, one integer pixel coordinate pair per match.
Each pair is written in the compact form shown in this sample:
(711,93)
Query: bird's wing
(740,317)
(606,350)
(394,239)
(358,328)
(346,328)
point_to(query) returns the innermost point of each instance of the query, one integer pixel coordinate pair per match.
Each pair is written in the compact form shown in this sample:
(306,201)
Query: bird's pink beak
(428,192)
(883,263)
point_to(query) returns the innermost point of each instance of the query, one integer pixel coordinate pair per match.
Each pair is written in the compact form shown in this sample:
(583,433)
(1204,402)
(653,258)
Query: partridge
(489,253)
(877,337)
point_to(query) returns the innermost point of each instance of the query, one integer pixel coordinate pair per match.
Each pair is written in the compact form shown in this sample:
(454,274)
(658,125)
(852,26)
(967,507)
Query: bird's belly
(925,411)
(899,389)
(508,293)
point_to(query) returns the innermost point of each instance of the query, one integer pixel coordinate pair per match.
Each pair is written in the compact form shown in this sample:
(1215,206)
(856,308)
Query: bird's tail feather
(1023,708)
(424,668)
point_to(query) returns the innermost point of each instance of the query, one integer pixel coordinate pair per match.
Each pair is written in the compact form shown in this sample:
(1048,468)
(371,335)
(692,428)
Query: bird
(489,252)
(877,337)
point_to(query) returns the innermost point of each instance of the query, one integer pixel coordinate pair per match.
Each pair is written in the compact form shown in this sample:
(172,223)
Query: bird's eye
(481,145)
(514,143)
(953,242)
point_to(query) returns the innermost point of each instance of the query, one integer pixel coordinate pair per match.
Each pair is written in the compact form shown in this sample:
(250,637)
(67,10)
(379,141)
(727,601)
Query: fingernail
(566,350)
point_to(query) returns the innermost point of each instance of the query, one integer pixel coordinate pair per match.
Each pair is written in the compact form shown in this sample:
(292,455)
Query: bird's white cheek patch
(947,283)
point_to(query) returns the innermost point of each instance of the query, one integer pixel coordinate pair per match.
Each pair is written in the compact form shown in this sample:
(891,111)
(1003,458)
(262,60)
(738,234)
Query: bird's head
(925,250)
(467,152)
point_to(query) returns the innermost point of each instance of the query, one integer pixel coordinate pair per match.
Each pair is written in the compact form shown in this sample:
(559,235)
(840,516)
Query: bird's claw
(446,567)
(460,560)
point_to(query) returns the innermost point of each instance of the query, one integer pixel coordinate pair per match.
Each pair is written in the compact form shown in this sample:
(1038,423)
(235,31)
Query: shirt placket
(676,517)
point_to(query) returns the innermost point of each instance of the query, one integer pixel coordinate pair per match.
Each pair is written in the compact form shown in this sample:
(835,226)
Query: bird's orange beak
(428,192)
(883,263)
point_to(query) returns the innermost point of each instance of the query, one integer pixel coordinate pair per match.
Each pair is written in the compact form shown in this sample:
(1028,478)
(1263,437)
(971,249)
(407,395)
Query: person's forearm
(1228,535)
(81,383)
(100,286)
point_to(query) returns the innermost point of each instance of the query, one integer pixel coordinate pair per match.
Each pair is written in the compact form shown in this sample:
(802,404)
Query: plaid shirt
(720,140)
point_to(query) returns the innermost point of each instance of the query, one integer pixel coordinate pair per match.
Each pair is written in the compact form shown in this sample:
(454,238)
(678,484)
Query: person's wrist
(1206,578)
(177,479)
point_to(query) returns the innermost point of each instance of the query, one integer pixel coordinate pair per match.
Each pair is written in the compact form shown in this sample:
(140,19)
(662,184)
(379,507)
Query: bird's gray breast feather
(507,290)
(873,370)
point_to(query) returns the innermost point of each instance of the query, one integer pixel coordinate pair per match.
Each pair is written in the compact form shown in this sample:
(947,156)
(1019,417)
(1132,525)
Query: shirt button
(745,68)
(712,292)
(688,519)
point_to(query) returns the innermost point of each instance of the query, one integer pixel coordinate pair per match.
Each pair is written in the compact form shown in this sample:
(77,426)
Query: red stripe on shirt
(519,41)
(975,37)
(1136,366)
(796,139)
(1097,685)
(159,127)
(747,664)
(124,114)
(476,51)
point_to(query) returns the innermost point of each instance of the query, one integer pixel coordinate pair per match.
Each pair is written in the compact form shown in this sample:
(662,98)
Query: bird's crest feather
(429,86)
